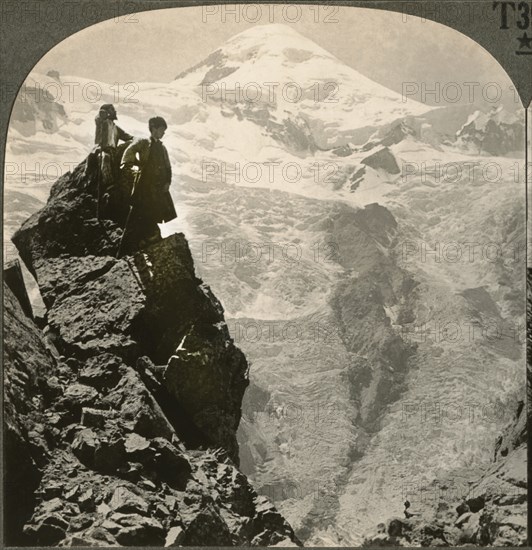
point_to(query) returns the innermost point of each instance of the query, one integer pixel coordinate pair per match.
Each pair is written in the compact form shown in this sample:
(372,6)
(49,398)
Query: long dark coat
(150,193)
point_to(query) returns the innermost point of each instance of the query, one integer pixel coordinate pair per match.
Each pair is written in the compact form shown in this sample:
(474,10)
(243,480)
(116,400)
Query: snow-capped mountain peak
(272,40)
(281,73)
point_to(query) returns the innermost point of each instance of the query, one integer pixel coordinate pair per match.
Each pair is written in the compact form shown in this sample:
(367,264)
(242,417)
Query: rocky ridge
(122,403)
(492,513)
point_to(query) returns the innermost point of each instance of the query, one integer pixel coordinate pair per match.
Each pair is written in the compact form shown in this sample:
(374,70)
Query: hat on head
(109,108)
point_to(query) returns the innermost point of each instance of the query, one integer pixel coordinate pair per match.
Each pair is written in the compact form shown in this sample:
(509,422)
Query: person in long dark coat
(151,202)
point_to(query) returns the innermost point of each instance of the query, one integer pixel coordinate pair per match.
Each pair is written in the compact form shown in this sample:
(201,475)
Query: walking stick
(119,253)
(98,183)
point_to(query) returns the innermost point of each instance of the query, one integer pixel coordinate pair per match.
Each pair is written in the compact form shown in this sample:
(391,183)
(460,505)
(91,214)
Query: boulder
(171,464)
(125,500)
(84,446)
(93,418)
(45,533)
(86,501)
(174,537)
(206,527)
(80,395)
(140,530)
(135,444)
(101,371)
(110,455)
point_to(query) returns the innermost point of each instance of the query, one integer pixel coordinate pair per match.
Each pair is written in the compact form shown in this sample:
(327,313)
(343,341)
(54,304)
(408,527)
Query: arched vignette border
(26,39)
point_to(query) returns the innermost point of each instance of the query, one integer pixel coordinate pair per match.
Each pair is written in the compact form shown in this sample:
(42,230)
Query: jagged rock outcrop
(383,159)
(376,375)
(14,279)
(493,513)
(497,132)
(150,304)
(37,107)
(121,415)
(393,135)
(28,365)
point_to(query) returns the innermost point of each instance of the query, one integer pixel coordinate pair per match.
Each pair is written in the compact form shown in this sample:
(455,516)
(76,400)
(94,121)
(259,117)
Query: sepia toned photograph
(265,281)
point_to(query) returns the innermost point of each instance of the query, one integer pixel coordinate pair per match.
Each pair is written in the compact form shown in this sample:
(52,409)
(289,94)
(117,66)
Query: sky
(387,47)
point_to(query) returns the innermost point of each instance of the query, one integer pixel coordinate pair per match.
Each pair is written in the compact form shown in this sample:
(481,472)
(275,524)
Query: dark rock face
(393,135)
(383,159)
(495,133)
(121,416)
(27,366)
(35,109)
(493,514)
(67,226)
(15,281)
(216,68)
(359,307)
(150,304)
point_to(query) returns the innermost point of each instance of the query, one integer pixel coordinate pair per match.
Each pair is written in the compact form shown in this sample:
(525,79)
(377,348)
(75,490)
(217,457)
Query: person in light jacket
(103,162)
(106,139)
(108,133)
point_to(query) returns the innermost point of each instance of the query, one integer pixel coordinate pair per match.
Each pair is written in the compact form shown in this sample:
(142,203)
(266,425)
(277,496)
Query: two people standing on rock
(137,183)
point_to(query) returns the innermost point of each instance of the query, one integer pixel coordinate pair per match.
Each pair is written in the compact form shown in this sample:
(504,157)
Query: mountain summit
(274,68)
